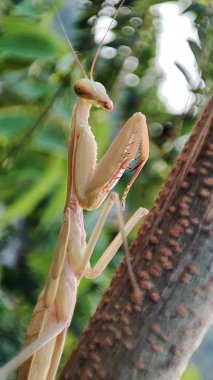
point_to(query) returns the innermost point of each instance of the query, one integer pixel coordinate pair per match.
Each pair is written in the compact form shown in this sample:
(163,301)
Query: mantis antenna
(99,47)
(102,41)
(70,45)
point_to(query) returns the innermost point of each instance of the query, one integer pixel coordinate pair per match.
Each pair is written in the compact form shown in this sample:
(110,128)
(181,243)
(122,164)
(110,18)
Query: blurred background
(156,59)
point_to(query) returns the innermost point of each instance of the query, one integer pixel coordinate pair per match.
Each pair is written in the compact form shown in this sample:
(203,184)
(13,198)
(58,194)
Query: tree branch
(173,264)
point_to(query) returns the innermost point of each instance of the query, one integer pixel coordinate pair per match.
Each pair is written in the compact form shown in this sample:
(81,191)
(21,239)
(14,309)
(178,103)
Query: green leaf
(191,373)
(14,123)
(30,198)
(54,207)
(30,91)
(195,48)
(27,46)
(184,71)
(196,8)
(100,126)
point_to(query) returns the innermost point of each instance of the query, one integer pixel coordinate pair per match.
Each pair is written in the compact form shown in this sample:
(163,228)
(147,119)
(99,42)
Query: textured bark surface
(172,258)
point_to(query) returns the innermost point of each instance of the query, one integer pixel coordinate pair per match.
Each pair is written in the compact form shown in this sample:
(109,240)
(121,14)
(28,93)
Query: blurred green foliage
(36,98)
(191,373)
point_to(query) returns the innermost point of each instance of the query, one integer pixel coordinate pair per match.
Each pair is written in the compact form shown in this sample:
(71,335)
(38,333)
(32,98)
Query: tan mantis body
(88,185)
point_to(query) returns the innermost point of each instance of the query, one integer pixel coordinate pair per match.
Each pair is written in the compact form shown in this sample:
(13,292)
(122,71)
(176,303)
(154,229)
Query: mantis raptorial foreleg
(93,183)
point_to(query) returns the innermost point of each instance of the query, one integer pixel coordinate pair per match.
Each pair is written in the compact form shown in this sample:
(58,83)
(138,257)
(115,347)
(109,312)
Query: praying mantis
(88,184)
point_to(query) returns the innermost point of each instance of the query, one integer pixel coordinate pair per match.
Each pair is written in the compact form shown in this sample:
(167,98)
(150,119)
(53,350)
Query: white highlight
(100,29)
(172,46)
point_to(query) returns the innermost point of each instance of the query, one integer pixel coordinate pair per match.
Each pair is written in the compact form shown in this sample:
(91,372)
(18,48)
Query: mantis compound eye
(83,90)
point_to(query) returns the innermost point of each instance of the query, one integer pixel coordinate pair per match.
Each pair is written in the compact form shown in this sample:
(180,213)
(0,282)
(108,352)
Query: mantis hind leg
(28,351)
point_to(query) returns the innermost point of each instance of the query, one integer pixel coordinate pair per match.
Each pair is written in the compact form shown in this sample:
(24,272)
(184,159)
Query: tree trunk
(154,337)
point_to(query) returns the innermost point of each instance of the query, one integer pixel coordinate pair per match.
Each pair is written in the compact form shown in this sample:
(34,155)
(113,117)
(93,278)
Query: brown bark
(173,263)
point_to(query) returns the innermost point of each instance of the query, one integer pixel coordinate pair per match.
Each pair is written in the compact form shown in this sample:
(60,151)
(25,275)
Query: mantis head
(94,92)
(87,88)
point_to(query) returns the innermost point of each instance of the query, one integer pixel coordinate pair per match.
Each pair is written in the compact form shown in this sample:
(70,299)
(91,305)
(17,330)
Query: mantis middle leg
(111,250)
(85,268)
